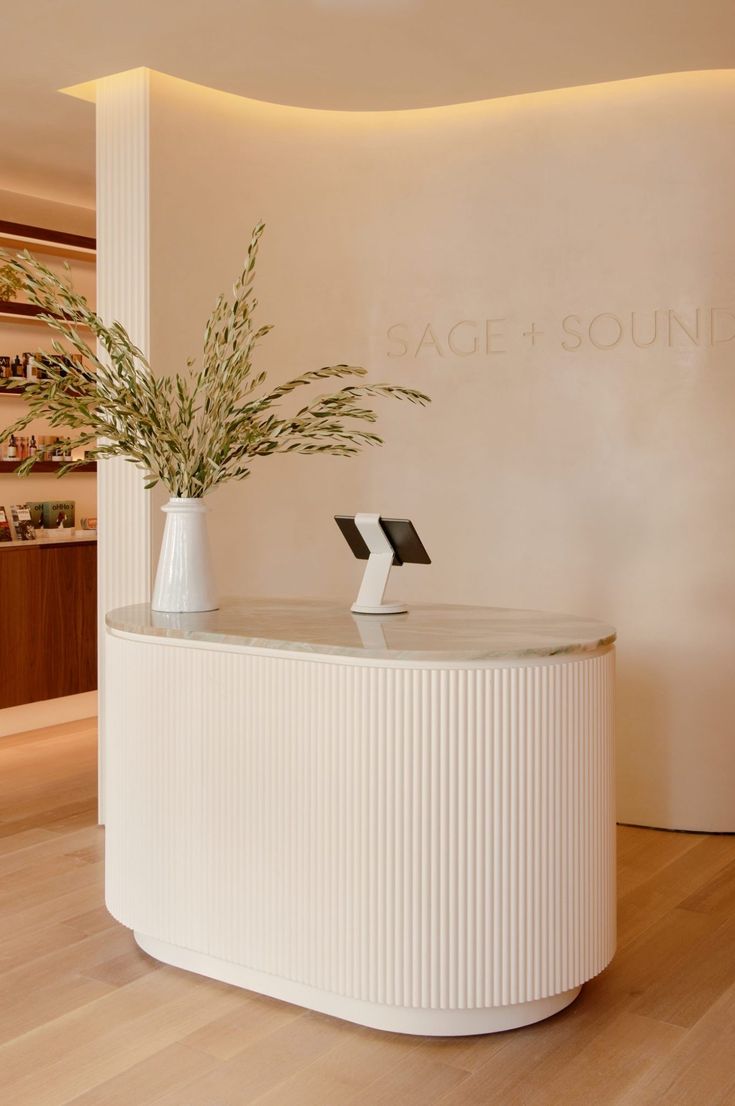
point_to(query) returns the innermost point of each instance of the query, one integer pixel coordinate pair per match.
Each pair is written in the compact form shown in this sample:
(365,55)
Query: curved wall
(558,272)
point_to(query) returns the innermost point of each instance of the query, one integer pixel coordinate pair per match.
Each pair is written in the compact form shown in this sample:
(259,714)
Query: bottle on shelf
(33,447)
(18,367)
(11,454)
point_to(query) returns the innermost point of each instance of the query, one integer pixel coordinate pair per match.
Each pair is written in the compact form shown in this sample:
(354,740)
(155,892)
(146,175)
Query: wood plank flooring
(87,1018)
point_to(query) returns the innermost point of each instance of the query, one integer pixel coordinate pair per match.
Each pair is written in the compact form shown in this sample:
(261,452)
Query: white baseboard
(49,712)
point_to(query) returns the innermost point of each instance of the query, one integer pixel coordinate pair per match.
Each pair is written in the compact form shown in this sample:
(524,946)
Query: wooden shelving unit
(14,312)
(20,312)
(7,468)
(17,392)
(73,247)
(49,584)
(22,236)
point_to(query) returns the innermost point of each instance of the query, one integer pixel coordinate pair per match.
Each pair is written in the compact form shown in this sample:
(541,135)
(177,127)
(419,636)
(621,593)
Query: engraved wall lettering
(493,335)
(397,339)
(675,320)
(452,339)
(429,339)
(605,331)
(718,325)
(574,334)
(533,333)
(638,327)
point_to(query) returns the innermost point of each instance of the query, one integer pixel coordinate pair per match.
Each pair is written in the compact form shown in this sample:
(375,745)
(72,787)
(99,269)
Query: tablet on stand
(382,542)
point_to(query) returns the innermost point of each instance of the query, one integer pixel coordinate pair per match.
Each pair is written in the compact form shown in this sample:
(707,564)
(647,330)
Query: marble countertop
(425,633)
(44,543)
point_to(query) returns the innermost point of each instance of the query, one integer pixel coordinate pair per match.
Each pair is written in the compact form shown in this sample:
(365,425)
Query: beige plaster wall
(39,211)
(564,463)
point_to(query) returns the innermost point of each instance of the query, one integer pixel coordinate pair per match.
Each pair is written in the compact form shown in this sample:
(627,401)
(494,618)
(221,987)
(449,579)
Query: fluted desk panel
(406,822)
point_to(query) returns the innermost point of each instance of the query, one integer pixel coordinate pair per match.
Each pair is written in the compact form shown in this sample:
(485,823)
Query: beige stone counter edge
(120,621)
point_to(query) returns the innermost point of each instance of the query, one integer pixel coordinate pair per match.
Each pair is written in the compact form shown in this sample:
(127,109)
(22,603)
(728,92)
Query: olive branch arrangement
(194,431)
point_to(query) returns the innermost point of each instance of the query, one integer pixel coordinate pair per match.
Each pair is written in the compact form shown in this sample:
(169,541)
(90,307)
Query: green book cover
(36,509)
(58,513)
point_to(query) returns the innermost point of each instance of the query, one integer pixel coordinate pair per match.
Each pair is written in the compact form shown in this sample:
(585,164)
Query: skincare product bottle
(12,451)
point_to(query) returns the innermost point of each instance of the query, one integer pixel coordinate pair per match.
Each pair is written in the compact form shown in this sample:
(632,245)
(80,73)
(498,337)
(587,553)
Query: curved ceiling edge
(87,91)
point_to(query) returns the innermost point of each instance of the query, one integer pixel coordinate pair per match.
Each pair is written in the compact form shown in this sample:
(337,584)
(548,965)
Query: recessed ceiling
(334,54)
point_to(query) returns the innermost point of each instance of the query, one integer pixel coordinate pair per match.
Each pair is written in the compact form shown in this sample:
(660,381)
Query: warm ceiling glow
(88,91)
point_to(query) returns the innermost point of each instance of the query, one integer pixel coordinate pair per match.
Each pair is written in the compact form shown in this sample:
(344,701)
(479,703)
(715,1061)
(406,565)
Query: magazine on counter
(58,513)
(5,534)
(36,509)
(23,523)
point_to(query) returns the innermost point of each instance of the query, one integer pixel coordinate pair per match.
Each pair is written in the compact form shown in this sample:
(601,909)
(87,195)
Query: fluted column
(123,296)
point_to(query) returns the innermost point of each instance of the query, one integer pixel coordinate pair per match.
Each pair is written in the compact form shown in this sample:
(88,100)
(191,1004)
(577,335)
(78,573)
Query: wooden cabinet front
(48,621)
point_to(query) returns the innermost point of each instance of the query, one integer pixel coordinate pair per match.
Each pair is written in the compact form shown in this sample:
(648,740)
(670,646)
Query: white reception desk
(406,822)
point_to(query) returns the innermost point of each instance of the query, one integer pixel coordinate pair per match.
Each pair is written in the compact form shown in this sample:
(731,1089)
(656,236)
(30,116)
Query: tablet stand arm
(377,569)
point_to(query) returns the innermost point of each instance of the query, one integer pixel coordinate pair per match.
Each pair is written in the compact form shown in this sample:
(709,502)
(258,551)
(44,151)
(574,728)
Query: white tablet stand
(375,579)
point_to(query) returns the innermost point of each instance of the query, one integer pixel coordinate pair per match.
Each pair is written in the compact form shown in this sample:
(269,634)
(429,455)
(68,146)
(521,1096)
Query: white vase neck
(180,503)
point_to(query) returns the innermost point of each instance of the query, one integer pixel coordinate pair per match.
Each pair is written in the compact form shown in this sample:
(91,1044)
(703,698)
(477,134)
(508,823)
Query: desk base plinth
(375,1015)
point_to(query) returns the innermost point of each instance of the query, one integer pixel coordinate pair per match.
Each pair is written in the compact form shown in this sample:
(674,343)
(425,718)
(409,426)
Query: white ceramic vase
(184,580)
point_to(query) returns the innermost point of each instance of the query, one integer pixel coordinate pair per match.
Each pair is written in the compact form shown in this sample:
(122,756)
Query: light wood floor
(86,1018)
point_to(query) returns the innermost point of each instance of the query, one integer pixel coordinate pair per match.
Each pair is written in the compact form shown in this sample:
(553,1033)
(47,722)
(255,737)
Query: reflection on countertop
(427,632)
